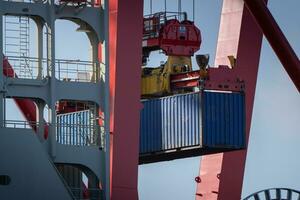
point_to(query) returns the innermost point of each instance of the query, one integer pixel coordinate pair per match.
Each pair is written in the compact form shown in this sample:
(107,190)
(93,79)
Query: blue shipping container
(76,128)
(223,119)
(203,120)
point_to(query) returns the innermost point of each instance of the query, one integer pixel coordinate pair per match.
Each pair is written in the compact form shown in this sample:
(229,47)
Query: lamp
(202,60)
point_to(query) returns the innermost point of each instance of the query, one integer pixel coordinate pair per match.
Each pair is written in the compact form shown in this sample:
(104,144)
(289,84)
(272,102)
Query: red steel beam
(276,38)
(125,40)
(26,106)
(221,175)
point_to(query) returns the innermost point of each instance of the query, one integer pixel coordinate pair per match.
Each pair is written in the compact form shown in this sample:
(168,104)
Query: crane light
(202,60)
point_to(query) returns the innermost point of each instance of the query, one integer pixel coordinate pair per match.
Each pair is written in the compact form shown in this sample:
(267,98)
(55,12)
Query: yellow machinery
(175,76)
(179,40)
(156,81)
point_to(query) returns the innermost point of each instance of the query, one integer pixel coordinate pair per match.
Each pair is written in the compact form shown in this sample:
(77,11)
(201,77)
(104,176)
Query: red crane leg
(125,40)
(221,175)
(26,106)
(276,38)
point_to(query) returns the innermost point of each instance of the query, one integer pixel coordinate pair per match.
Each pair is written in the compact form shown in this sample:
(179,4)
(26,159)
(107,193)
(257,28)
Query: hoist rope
(179,9)
(193,10)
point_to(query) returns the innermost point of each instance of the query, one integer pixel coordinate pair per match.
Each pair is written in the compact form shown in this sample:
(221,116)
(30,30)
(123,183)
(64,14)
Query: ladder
(17,44)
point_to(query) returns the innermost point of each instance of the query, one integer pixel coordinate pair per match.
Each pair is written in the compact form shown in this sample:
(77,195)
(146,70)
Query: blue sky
(272,159)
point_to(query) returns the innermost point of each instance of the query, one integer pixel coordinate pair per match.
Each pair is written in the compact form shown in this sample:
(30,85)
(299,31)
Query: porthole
(4,180)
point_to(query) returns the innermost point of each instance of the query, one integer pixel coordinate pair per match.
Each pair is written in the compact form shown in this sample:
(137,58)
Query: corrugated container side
(223,120)
(170,123)
(74,128)
(210,120)
(150,121)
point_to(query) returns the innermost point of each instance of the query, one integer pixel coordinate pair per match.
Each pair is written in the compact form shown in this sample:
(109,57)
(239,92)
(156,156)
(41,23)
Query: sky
(272,159)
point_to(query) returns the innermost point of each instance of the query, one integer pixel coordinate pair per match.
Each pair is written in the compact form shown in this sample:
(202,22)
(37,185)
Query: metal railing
(67,134)
(20,124)
(29,70)
(66,70)
(154,22)
(77,3)
(88,3)
(76,70)
(29,1)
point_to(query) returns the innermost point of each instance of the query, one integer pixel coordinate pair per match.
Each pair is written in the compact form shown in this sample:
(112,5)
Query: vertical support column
(48,53)
(103,108)
(40,48)
(248,55)
(229,31)
(52,130)
(1,73)
(106,60)
(40,119)
(94,55)
(228,39)
(125,31)
(222,175)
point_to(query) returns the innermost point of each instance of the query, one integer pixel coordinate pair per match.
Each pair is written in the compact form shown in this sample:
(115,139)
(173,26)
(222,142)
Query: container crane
(165,31)
(178,40)
(241,36)
(224,169)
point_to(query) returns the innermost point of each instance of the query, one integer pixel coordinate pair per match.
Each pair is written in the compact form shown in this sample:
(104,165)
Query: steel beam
(276,38)
(2,114)
(125,40)
(40,48)
(221,175)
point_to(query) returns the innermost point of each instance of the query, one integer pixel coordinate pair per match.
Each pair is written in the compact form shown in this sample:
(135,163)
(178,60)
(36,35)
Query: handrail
(66,70)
